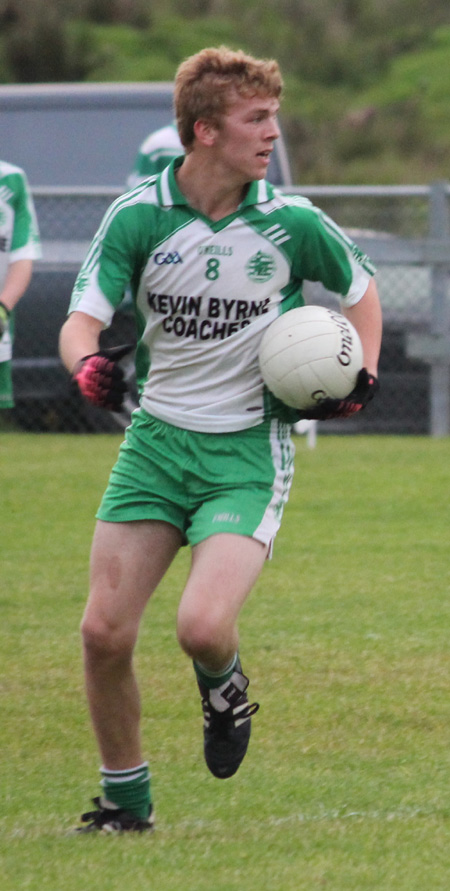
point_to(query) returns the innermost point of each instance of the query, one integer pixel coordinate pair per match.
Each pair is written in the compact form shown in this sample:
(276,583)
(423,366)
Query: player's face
(246,136)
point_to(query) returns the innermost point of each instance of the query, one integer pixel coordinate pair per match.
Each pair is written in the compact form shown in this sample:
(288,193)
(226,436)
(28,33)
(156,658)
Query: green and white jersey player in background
(19,246)
(213,254)
(155,153)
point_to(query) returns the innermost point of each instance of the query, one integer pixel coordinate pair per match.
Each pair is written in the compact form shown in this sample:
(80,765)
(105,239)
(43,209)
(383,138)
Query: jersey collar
(258,192)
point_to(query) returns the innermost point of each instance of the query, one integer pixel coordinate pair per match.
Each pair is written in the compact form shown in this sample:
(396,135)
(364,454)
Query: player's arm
(18,278)
(79,336)
(366,318)
(97,372)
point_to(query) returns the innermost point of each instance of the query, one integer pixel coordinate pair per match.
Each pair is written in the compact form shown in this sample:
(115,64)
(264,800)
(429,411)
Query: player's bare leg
(224,570)
(128,560)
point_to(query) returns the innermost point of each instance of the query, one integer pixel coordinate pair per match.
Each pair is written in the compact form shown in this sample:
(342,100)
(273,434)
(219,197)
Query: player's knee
(103,640)
(201,636)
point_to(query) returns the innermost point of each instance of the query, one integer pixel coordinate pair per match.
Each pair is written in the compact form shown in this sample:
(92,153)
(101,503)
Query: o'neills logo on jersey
(5,194)
(261,267)
(215,250)
(80,286)
(167,258)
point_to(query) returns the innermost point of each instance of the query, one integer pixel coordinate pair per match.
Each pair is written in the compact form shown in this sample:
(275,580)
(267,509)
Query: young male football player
(19,246)
(214,254)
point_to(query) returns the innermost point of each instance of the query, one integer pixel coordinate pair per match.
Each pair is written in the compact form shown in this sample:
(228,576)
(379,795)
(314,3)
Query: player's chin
(261,166)
(259,172)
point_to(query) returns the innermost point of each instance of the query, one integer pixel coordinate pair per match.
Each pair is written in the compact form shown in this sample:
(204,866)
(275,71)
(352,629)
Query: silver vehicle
(88,134)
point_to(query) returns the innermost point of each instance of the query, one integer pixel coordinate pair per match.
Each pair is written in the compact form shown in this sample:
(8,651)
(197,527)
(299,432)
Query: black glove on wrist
(366,387)
(101,379)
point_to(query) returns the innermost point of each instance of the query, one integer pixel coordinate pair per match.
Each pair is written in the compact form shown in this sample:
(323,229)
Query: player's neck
(207,191)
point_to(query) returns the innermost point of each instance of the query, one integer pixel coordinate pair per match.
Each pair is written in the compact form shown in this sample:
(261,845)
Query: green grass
(345,637)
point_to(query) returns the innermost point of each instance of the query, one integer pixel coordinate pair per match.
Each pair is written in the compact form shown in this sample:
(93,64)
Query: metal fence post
(439,229)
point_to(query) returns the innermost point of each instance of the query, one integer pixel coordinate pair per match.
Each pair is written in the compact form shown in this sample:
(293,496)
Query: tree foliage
(359,102)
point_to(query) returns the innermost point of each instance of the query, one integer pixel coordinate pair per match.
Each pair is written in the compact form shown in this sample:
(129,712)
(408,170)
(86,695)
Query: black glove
(4,317)
(101,379)
(366,387)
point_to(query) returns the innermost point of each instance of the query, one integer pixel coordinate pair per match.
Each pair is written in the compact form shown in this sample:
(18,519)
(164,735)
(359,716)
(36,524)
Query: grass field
(346,640)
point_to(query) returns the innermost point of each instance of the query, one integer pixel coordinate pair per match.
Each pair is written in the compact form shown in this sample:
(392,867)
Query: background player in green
(19,246)
(156,152)
(213,254)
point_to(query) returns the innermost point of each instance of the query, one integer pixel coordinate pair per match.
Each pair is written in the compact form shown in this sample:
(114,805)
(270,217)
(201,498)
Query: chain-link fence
(405,230)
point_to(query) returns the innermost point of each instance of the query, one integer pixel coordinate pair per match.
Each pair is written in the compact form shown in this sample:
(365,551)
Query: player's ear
(205,131)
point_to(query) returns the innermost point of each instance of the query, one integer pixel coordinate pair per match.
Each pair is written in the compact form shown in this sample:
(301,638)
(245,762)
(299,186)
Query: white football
(310,353)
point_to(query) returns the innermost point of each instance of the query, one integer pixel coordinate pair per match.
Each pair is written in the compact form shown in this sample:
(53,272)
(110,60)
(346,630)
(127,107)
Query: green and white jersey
(19,236)
(204,292)
(155,153)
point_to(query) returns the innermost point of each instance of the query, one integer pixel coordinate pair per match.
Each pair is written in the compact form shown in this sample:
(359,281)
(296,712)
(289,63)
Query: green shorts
(6,388)
(202,483)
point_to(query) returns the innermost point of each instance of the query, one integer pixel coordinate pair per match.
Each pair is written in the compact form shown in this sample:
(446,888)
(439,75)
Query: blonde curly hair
(205,82)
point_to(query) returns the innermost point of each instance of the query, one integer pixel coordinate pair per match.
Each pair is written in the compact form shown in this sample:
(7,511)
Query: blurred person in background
(19,247)
(155,153)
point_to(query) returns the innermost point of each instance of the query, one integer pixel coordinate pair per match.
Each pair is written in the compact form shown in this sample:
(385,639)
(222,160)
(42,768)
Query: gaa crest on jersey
(261,267)
(167,258)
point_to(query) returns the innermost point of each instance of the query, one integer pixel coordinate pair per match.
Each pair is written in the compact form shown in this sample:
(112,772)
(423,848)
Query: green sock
(129,789)
(213,679)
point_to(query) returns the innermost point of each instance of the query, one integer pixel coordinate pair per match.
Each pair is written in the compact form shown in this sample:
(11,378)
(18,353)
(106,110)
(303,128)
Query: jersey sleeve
(325,254)
(115,259)
(25,242)
(109,266)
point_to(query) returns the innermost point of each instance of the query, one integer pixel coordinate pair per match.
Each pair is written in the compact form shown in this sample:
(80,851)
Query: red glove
(101,379)
(366,387)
